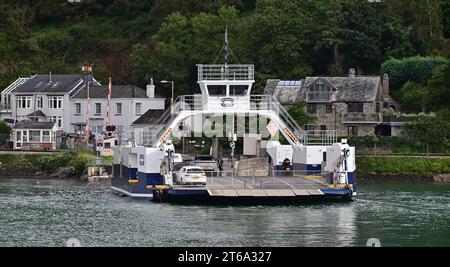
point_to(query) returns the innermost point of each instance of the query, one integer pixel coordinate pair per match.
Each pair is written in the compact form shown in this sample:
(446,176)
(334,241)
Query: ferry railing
(277,179)
(270,103)
(226,72)
(182,103)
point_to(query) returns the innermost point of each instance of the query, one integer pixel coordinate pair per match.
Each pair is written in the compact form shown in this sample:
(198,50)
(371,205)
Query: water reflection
(52,212)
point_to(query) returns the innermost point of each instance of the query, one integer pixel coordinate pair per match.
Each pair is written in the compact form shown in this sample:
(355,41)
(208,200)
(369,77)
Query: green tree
(298,113)
(413,97)
(4,128)
(432,131)
(140,64)
(439,89)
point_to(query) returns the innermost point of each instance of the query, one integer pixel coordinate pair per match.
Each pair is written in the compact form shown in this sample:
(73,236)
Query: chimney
(386,84)
(51,80)
(352,73)
(151,89)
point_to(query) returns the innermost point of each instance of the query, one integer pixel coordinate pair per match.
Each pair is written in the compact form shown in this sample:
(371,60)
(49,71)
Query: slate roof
(358,89)
(34,125)
(42,84)
(346,89)
(118,91)
(150,117)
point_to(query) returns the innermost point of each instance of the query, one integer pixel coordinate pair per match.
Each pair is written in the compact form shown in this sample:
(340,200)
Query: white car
(191,175)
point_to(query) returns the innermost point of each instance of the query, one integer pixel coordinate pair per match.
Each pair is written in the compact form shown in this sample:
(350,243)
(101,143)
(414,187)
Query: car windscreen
(195,171)
(204,158)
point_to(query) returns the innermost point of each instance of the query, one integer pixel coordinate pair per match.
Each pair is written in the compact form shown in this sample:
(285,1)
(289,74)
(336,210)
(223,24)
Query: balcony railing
(396,120)
(228,72)
(318,97)
(362,118)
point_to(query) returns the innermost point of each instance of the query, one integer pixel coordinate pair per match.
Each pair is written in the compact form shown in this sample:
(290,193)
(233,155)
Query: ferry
(144,168)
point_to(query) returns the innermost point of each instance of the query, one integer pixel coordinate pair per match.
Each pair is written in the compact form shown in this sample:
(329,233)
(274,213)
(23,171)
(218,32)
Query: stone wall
(334,120)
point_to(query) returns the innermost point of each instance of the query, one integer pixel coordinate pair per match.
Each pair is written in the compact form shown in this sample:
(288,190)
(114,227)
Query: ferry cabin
(35,136)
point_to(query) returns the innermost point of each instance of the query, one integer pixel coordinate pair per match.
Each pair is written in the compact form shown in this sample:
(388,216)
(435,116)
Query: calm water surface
(49,212)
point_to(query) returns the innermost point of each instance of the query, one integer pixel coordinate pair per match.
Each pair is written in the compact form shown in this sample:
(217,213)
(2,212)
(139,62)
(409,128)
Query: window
(353,130)
(55,102)
(238,90)
(118,109)
(355,107)
(98,108)
(39,102)
(35,136)
(58,120)
(19,136)
(217,90)
(25,136)
(378,108)
(77,108)
(310,127)
(311,108)
(319,93)
(46,136)
(24,102)
(323,127)
(138,109)
(329,108)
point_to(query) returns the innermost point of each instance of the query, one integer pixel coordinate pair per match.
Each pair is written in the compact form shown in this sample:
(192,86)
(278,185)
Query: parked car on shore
(191,175)
(208,164)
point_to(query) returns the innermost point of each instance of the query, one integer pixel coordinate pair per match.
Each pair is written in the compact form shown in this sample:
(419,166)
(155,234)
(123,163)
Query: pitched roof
(37,113)
(35,125)
(118,91)
(361,89)
(287,92)
(150,117)
(45,84)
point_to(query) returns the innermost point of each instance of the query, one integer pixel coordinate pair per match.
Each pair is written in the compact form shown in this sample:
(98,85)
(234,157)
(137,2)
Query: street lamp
(173,87)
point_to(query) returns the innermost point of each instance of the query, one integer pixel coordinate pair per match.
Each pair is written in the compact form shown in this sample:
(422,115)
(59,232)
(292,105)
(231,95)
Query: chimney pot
(151,90)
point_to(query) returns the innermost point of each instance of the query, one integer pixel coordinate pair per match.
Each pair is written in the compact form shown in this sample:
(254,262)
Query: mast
(226,48)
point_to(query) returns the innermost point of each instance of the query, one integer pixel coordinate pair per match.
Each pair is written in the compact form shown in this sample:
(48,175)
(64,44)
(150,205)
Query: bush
(403,165)
(413,69)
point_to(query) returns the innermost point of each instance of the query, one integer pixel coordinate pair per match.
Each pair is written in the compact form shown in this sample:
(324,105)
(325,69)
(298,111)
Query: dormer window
(319,93)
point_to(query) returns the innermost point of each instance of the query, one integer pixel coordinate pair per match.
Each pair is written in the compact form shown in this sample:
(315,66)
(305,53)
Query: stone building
(352,105)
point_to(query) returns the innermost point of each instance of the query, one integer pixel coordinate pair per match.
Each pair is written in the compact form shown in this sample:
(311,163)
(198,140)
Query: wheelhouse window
(24,102)
(357,107)
(217,90)
(319,93)
(238,90)
(55,102)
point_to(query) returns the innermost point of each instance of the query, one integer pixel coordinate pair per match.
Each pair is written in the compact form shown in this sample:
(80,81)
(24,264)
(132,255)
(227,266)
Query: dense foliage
(404,166)
(134,40)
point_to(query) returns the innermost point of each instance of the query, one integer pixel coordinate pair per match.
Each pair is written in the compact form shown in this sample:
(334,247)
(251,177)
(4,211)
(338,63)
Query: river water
(50,212)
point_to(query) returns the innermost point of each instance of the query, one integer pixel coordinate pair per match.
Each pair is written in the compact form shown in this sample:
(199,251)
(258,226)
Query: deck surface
(259,183)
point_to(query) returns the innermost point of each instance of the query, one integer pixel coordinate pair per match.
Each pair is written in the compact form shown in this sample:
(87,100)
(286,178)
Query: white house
(63,99)
(128,103)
